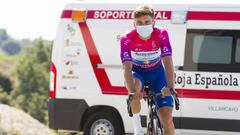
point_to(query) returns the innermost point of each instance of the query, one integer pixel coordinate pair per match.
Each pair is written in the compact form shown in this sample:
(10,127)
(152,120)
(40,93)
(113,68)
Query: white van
(87,90)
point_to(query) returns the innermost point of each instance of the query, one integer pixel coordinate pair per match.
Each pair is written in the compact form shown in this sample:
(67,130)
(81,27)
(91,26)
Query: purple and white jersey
(145,54)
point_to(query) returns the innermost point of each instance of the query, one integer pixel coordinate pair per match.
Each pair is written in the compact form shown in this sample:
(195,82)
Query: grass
(6,57)
(8,65)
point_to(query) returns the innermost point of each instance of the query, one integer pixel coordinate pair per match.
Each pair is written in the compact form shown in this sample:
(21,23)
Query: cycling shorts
(156,78)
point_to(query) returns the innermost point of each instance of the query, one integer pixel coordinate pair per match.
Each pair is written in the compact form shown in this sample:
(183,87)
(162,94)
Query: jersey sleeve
(125,53)
(166,49)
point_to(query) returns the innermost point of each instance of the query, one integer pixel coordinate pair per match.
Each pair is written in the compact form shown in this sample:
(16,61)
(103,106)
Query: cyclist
(144,51)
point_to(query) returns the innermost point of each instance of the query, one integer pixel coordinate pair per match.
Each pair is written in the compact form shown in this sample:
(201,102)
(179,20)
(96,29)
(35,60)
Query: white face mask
(145,30)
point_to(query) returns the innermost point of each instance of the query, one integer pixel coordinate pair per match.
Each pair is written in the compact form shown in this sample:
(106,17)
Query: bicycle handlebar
(174,94)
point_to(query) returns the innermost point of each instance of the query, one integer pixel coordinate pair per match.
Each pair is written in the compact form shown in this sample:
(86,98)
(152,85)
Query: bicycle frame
(152,111)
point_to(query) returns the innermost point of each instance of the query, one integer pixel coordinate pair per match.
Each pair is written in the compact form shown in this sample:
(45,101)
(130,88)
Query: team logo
(165,49)
(125,54)
(154,44)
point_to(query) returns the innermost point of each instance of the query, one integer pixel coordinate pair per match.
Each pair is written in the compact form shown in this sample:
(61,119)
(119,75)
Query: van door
(211,72)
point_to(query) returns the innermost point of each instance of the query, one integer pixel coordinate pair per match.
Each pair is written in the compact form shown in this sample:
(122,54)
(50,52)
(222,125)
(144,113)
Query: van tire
(103,115)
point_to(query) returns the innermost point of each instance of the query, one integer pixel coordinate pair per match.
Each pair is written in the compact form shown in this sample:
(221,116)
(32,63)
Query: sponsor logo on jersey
(165,49)
(146,59)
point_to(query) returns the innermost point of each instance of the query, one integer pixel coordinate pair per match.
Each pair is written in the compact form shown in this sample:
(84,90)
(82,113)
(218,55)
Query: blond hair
(143,10)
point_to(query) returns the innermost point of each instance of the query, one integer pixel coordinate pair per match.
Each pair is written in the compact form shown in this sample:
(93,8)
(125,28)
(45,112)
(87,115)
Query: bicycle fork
(152,111)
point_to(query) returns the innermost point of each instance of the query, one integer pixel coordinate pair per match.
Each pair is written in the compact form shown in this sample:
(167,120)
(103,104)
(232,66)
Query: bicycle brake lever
(175,96)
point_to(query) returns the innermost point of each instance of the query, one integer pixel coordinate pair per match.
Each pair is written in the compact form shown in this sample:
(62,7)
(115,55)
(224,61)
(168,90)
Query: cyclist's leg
(136,105)
(138,83)
(164,104)
(165,115)
(165,108)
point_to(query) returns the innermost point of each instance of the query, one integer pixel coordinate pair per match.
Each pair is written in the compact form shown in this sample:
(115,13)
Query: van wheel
(103,123)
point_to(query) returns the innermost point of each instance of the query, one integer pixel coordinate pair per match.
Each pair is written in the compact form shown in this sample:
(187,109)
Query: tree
(4,97)
(11,47)
(5,83)
(33,74)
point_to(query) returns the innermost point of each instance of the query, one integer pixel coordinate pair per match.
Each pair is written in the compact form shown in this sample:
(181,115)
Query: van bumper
(66,114)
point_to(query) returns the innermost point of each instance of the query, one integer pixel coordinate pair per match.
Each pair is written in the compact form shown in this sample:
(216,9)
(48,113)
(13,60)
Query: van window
(237,56)
(204,49)
(212,50)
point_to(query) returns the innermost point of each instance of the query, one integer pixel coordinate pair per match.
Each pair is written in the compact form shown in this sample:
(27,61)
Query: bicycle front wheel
(155,126)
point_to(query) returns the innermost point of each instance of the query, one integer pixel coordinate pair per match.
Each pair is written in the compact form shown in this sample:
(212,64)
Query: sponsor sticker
(65,87)
(70,43)
(71,62)
(223,108)
(71,30)
(70,75)
(73,53)
(207,80)
(115,14)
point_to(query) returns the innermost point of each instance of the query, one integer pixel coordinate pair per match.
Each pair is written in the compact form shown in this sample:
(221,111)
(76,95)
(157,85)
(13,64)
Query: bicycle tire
(155,126)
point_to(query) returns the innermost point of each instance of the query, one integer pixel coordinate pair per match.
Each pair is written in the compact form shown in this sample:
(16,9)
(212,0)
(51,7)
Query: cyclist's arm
(167,58)
(127,72)
(169,70)
(126,58)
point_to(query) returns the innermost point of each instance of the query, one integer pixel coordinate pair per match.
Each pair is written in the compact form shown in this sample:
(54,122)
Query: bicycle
(154,123)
